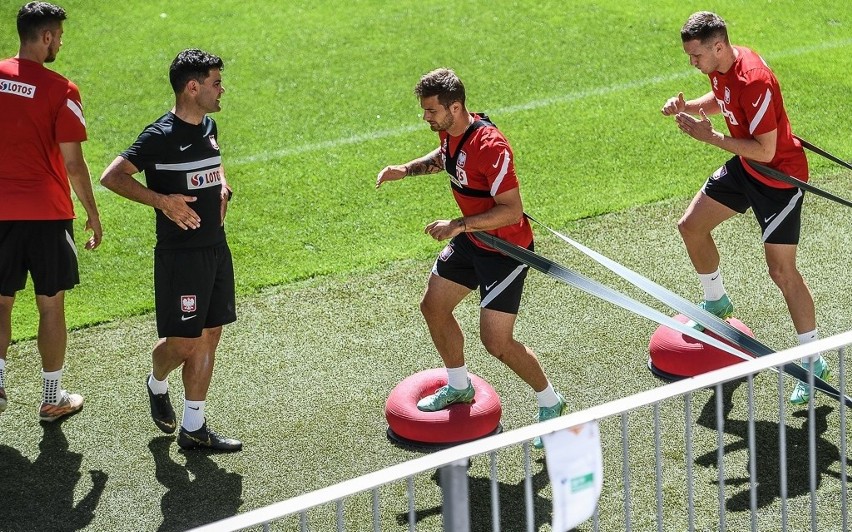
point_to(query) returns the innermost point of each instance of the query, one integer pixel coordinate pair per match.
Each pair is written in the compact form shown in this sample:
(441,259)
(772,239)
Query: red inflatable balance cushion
(681,356)
(455,424)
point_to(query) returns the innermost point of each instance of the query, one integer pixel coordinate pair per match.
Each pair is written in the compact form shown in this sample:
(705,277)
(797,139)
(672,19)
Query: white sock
(51,391)
(2,373)
(805,338)
(193,415)
(457,377)
(547,397)
(158,387)
(712,284)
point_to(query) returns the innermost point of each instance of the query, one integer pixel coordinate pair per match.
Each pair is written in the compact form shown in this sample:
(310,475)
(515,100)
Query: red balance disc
(457,423)
(675,355)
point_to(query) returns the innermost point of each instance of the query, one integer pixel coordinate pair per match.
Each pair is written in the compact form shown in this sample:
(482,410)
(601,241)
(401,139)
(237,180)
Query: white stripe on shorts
(497,290)
(782,215)
(71,243)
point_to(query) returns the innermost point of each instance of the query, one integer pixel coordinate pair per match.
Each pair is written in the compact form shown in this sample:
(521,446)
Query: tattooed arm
(430,163)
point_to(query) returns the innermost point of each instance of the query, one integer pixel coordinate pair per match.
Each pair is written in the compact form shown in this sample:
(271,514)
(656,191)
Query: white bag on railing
(575,467)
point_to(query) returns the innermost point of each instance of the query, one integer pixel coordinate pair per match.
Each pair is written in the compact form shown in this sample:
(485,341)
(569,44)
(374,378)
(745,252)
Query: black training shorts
(500,278)
(193,290)
(778,210)
(45,249)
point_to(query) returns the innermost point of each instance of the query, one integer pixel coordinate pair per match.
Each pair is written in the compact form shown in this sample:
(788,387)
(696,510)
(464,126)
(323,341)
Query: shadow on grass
(199,493)
(39,495)
(512,503)
(768,463)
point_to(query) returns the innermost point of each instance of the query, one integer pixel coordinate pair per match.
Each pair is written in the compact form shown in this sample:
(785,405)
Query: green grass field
(329,270)
(319,99)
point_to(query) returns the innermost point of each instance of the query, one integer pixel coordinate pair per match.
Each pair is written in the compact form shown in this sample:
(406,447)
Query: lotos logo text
(204,178)
(17,88)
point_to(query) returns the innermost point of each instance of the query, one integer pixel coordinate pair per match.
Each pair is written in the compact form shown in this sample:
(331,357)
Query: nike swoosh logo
(191,408)
(714,278)
(771,217)
(500,158)
(185,318)
(199,441)
(488,287)
(755,104)
(184,148)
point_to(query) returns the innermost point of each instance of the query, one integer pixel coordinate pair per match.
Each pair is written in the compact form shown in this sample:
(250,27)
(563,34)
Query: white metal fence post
(456,497)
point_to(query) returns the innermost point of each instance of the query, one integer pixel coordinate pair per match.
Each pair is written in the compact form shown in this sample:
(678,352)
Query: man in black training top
(193,272)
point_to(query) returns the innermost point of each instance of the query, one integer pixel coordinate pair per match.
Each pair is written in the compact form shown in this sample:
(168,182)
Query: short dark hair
(192,64)
(35,17)
(704,26)
(444,84)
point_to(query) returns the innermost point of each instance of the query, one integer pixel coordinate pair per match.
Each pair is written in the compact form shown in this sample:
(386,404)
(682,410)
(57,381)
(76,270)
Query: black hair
(442,83)
(192,64)
(704,26)
(35,17)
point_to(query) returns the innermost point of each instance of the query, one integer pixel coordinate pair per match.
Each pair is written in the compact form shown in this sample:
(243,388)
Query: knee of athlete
(498,346)
(784,276)
(684,227)
(428,309)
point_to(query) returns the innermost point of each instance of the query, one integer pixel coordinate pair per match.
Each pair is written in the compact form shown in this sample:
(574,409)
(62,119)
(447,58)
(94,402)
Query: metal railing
(453,463)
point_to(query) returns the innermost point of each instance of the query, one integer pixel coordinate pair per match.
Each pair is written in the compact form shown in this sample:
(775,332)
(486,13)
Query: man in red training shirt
(41,131)
(481,167)
(745,91)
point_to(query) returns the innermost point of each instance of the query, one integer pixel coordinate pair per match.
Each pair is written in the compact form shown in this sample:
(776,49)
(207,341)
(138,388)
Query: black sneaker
(204,438)
(161,410)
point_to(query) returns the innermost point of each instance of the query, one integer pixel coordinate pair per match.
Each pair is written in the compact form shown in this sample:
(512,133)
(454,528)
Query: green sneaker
(550,412)
(801,393)
(721,307)
(446,396)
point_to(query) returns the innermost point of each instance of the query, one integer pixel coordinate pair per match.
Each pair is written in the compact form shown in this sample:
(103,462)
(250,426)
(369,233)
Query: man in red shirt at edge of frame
(480,163)
(41,130)
(745,91)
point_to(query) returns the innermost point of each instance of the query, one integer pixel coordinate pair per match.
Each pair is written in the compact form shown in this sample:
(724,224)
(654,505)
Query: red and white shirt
(484,168)
(39,109)
(750,98)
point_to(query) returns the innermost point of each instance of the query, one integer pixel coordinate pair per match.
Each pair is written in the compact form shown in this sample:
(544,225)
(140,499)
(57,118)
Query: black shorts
(500,278)
(193,290)
(778,210)
(45,249)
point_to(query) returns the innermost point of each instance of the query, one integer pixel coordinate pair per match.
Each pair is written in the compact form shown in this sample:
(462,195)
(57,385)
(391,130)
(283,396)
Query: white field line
(528,106)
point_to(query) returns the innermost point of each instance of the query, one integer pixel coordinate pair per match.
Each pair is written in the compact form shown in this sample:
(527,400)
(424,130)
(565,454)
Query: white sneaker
(70,403)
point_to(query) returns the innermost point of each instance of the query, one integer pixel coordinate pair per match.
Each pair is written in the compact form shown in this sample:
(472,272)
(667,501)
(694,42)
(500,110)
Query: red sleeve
(70,122)
(497,163)
(759,99)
